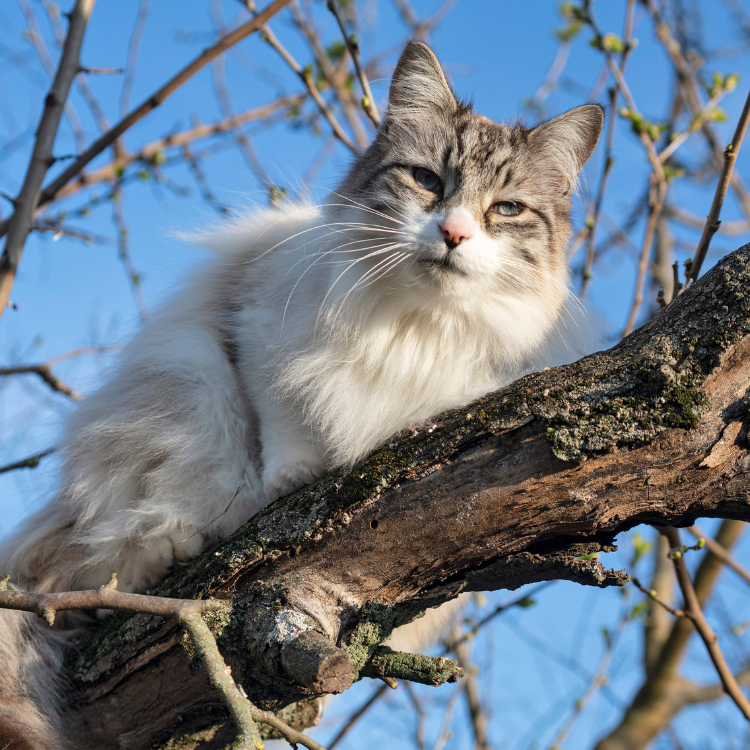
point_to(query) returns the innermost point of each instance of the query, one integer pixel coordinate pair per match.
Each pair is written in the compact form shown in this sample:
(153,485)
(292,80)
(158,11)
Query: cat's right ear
(419,83)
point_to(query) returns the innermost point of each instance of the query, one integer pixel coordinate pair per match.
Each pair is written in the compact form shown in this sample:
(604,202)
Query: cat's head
(449,204)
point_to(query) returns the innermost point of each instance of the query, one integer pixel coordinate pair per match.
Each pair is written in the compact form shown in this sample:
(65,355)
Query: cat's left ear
(570,138)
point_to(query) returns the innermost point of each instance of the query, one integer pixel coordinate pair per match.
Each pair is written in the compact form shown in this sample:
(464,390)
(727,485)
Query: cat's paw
(282,479)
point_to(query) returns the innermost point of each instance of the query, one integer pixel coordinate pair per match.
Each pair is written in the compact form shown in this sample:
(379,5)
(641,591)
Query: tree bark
(514,488)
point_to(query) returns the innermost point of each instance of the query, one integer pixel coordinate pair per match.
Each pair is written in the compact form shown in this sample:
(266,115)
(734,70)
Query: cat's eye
(507,208)
(428,180)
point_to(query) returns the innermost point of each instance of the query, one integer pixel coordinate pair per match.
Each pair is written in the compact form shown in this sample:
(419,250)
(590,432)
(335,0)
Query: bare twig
(657,196)
(654,596)
(521,601)
(44,370)
(154,101)
(552,77)
(694,612)
(718,551)
(20,223)
(200,178)
(222,93)
(53,12)
(149,152)
(35,34)
(713,221)
(123,250)
(473,699)
(352,44)
(593,221)
(597,682)
(306,76)
(336,76)
(45,373)
(357,715)
(133,47)
(691,220)
(27,463)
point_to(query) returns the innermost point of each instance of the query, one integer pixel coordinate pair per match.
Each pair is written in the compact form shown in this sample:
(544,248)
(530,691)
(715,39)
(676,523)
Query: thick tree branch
(514,488)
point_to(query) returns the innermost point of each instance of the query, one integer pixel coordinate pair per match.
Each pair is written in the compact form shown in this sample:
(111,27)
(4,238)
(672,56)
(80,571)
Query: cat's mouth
(442,265)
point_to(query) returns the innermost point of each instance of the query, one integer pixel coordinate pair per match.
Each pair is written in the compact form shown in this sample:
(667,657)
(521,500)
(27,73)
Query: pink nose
(457,227)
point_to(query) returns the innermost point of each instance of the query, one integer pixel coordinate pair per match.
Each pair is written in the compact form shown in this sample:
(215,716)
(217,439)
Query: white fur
(341,335)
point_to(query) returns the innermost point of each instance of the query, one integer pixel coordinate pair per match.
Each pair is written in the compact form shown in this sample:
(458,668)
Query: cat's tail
(30,687)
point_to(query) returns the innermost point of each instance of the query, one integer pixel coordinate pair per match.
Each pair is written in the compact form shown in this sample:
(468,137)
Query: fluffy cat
(435,273)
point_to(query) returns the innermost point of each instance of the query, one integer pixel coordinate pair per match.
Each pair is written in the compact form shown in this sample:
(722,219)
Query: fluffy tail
(30,687)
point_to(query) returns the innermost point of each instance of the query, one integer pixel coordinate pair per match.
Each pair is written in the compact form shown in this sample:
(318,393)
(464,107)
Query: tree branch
(694,612)
(21,222)
(510,490)
(156,99)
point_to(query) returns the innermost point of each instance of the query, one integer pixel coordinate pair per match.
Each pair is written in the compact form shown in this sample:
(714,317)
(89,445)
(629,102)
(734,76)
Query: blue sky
(71,294)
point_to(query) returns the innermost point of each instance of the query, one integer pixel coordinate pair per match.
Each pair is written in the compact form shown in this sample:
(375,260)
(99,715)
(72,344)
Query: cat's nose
(457,227)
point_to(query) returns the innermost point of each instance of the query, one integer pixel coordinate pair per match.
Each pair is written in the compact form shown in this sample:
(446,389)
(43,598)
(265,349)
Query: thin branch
(53,13)
(593,221)
(553,76)
(597,682)
(521,601)
(27,463)
(20,223)
(358,714)
(686,74)
(335,76)
(712,222)
(657,196)
(225,103)
(123,251)
(421,715)
(718,551)
(306,76)
(654,596)
(35,34)
(44,371)
(154,101)
(691,220)
(694,612)
(352,44)
(200,178)
(133,47)
(473,700)
(148,152)
(189,613)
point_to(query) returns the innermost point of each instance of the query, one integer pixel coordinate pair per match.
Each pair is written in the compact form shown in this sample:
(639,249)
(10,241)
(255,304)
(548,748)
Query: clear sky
(70,294)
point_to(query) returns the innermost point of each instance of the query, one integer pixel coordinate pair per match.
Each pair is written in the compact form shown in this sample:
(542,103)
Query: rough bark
(512,489)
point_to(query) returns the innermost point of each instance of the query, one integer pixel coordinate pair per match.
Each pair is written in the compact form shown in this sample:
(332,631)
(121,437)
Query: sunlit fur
(314,335)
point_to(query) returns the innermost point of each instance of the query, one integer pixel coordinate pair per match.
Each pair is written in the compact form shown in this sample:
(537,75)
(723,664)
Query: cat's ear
(570,138)
(419,82)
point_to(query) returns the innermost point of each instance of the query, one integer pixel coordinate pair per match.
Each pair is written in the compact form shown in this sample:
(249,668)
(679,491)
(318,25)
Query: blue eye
(507,208)
(428,180)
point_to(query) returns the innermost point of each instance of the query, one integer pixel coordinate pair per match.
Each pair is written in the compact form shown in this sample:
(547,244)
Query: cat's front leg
(291,459)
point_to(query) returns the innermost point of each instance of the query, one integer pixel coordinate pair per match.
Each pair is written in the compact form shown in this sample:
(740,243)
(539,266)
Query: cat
(435,273)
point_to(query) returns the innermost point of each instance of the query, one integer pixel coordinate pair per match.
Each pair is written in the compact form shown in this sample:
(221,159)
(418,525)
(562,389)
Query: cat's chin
(442,266)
